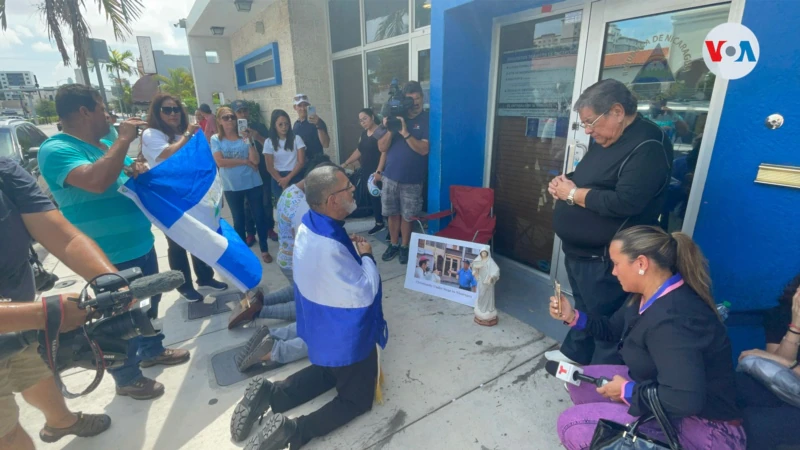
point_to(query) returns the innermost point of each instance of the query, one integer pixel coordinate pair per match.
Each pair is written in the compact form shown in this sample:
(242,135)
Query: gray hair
(320,182)
(604,94)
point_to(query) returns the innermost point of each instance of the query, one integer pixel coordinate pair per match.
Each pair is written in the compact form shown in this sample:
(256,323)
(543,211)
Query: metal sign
(146,54)
(98,50)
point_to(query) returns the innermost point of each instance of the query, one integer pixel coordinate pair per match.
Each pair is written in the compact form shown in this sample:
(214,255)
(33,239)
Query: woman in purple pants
(670,336)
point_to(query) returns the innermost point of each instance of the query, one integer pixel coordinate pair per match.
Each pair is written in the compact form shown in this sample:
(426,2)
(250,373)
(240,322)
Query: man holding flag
(339,316)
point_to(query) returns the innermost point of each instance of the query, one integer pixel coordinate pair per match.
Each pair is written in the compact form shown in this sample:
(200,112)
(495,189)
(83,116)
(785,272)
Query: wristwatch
(187,134)
(571,196)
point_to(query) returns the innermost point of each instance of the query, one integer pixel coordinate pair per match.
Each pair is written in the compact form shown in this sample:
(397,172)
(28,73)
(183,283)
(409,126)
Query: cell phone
(242,123)
(312,110)
(557,292)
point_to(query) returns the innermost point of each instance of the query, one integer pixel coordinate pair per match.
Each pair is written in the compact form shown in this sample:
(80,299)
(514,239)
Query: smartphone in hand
(312,110)
(242,124)
(557,292)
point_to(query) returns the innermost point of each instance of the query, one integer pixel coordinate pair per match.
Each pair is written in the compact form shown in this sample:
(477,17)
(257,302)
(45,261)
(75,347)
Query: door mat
(220,305)
(225,370)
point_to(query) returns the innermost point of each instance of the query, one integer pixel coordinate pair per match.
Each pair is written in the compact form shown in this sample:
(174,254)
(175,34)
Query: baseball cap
(238,105)
(205,108)
(301,98)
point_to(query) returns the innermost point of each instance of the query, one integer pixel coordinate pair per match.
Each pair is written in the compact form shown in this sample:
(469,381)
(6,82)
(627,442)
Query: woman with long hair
(237,159)
(285,153)
(372,161)
(669,336)
(168,131)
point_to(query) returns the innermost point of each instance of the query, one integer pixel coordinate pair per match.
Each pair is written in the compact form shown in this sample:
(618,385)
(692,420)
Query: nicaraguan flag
(337,293)
(182,196)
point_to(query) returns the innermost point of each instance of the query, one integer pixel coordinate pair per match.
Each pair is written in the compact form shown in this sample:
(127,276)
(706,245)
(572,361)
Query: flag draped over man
(182,196)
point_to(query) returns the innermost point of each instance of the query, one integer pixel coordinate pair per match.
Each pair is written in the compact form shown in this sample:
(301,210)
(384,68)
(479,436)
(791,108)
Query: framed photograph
(441,267)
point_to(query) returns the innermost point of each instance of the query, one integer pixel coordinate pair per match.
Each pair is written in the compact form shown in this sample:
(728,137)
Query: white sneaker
(556,355)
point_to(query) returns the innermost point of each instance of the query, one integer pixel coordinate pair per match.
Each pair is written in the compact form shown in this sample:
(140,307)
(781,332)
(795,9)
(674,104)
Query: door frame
(418,43)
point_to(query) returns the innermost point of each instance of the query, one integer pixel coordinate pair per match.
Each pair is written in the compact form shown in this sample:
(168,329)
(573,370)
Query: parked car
(20,141)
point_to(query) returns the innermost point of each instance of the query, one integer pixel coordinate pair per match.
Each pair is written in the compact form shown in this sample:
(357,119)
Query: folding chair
(472,212)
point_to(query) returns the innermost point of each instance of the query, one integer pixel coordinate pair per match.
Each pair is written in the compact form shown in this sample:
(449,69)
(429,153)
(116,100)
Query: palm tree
(180,83)
(118,62)
(392,25)
(67,16)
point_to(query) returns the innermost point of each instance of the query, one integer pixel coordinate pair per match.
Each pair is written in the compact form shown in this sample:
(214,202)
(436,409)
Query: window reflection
(385,18)
(382,66)
(660,59)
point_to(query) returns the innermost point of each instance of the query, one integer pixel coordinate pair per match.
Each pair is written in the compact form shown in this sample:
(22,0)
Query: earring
(641,271)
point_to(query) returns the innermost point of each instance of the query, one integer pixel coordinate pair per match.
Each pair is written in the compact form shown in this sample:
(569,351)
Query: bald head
(329,191)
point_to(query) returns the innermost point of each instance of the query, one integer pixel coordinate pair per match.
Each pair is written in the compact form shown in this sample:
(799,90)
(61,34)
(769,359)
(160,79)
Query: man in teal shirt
(84,175)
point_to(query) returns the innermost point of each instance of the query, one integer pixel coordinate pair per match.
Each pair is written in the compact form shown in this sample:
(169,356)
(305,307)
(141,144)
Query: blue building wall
(750,233)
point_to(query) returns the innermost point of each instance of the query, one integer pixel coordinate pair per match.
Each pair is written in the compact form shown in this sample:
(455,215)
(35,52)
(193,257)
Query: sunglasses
(169,110)
(297,98)
(228,117)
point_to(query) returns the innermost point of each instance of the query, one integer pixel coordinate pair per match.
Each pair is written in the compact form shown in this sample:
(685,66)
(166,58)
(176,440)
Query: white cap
(301,98)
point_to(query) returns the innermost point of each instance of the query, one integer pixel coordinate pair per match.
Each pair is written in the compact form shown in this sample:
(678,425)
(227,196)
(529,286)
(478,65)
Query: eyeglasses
(297,98)
(591,125)
(169,110)
(228,117)
(349,186)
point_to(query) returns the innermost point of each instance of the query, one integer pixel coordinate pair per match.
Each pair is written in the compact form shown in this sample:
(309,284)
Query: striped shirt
(117,225)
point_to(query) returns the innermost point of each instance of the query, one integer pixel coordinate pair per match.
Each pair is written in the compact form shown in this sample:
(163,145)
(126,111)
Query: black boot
(276,434)
(254,404)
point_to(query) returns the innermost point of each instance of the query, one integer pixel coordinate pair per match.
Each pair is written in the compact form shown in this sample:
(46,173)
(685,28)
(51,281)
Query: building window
(385,19)
(383,66)
(348,86)
(422,13)
(261,68)
(212,57)
(344,24)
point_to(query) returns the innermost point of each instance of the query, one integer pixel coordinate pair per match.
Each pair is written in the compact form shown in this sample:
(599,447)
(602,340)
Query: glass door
(421,64)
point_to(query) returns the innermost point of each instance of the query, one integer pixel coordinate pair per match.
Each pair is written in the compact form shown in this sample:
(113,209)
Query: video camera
(398,106)
(102,343)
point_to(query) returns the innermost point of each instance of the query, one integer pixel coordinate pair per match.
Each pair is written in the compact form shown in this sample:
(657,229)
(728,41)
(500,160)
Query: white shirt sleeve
(298,142)
(153,143)
(268,148)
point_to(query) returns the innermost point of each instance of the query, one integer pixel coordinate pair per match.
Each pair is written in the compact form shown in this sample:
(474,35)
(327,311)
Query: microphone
(572,374)
(142,288)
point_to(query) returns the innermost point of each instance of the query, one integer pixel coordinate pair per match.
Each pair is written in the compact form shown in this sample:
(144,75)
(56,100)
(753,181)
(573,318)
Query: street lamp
(243,5)
(217,31)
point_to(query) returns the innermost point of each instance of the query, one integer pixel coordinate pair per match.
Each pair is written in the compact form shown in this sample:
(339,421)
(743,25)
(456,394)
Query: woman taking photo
(168,131)
(670,336)
(237,159)
(285,153)
(372,161)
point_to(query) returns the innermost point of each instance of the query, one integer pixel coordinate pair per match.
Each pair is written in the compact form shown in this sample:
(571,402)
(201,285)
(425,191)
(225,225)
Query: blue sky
(24,46)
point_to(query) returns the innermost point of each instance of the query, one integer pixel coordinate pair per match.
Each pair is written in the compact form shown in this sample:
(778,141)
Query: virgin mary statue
(486,273)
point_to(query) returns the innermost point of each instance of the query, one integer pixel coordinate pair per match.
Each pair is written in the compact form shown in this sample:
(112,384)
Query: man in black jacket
(621,182)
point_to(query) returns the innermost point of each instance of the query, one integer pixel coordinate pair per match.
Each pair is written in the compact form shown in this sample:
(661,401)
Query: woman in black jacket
(669,335)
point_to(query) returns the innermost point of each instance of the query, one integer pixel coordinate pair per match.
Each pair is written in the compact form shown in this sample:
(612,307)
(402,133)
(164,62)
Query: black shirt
(680,344)
(262,163)
(19,194)
(308,131)
(618,199)
(370,154)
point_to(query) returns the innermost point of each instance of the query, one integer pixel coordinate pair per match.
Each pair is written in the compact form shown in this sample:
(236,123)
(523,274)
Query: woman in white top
(285,153)
(168,131)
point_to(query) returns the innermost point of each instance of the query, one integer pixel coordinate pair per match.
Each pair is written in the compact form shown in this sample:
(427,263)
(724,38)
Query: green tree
(180,83)
(65,18)
(118,63)
(46,108)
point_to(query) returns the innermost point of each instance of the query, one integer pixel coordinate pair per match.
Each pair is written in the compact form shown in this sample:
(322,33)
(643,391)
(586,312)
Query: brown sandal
(87,425)
(266,257)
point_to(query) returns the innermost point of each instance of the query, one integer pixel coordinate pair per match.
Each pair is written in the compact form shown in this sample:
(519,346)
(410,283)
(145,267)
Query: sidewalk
(449,382)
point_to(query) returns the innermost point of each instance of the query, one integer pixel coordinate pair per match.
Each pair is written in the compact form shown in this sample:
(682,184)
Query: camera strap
(54,313)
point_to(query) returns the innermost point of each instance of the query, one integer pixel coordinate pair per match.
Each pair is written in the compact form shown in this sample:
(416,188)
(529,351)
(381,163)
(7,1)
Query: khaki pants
(17,374)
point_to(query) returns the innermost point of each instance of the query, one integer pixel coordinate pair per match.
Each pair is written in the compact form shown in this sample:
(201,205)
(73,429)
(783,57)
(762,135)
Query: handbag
(610,435)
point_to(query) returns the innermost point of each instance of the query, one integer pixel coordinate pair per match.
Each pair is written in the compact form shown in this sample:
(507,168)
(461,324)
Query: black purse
(610,435)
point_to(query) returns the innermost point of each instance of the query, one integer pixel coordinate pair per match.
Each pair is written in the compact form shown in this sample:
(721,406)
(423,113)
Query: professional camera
(397,106)
(102,343)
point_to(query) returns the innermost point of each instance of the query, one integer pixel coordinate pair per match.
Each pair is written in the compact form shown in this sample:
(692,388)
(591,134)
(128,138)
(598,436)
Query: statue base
(486,323)
(246,309)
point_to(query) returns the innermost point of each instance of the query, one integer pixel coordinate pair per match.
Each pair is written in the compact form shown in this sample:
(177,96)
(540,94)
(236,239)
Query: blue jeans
(255,199)
(140,348)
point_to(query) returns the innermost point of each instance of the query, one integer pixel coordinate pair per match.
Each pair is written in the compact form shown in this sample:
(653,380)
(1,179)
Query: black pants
(249,223)
(596,291)
(766,417)
(178,260)
(254,197)
(355,389)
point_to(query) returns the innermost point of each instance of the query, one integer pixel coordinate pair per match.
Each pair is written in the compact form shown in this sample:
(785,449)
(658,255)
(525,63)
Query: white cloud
(9,39)
(44,47)
(23,31)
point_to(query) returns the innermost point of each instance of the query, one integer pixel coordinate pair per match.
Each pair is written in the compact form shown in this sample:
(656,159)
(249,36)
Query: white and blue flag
(337,294)
(182,196)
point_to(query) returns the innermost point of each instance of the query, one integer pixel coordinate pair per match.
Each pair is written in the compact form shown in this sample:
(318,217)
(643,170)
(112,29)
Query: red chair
(472,211)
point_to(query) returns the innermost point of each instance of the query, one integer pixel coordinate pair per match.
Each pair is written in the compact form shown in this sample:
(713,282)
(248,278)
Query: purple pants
(576,425)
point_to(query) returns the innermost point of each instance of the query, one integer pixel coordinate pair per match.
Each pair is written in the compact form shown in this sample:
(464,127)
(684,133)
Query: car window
(6,144)
(37,137)
(24,138)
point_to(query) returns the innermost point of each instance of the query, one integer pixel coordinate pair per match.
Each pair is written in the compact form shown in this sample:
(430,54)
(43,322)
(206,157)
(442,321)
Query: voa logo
(731,51)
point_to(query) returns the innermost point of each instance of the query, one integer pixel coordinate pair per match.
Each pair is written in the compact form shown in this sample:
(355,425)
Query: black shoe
(276,434)
(403,255)
(377,228)
(254,404)
(258,346)
(213,284)
(390,252)
(191,295)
